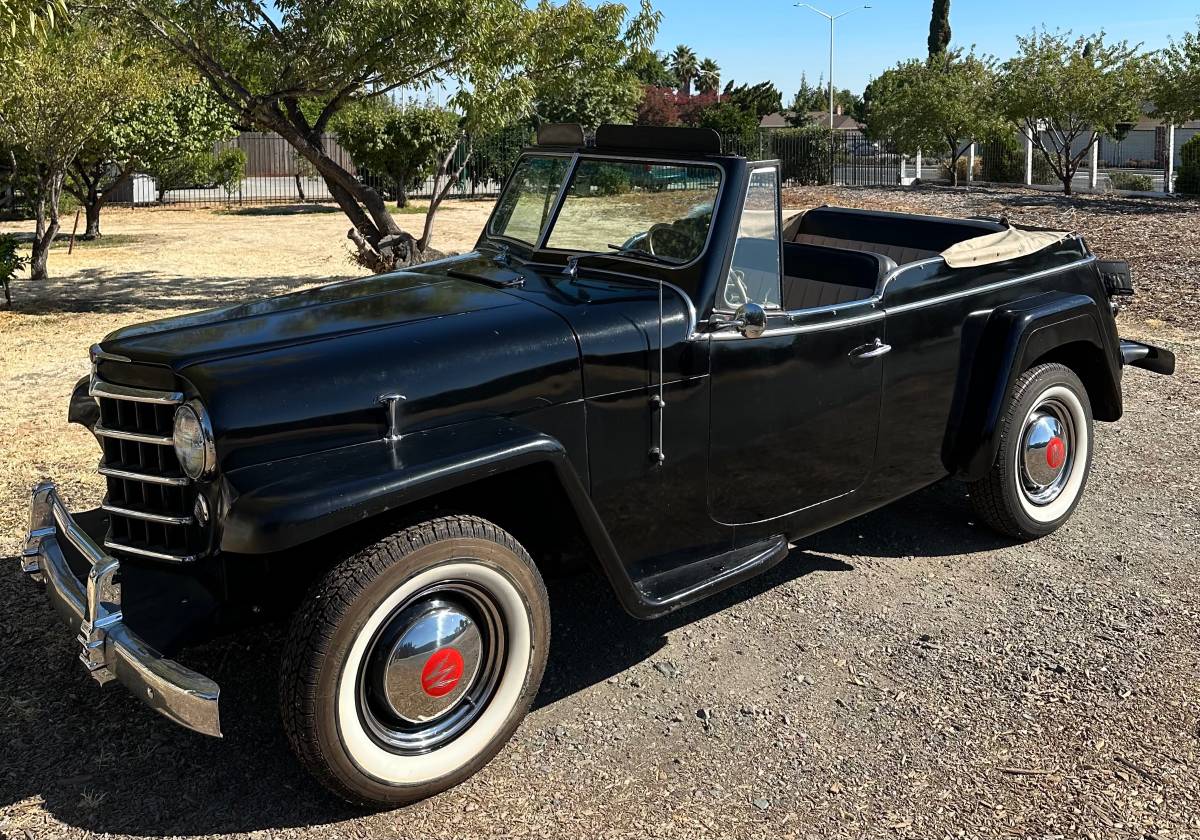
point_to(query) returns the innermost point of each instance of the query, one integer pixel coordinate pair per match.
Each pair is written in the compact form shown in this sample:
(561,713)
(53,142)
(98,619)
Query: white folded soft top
(1000,247)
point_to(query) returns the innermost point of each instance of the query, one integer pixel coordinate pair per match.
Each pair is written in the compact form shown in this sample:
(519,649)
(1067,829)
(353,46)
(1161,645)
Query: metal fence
(276,174)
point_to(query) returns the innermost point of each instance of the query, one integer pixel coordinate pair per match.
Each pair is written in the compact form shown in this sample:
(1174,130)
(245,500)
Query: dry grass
(150,264)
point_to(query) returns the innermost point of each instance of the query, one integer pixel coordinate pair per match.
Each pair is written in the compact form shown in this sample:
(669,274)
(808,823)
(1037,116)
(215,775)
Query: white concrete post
(1168,186)
(1028,161)
(918,164)
(971,163)
(1095,175)
(903,168)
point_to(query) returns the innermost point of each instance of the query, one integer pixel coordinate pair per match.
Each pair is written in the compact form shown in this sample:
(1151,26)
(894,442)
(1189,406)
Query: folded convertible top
(1000,247)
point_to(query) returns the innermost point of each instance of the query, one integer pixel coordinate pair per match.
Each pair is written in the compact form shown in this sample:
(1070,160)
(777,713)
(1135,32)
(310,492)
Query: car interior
(838,255)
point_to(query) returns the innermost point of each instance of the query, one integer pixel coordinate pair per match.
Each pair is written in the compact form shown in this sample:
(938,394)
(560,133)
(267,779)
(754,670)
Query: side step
(668,590)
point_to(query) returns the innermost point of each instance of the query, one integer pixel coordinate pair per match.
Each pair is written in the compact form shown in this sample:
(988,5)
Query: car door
(794,412)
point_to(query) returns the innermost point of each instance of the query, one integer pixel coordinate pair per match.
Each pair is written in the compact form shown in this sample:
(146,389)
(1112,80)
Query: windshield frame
(578,158)
(572,159)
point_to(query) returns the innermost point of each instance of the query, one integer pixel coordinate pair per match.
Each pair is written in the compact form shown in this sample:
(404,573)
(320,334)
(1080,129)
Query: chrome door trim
(990,287)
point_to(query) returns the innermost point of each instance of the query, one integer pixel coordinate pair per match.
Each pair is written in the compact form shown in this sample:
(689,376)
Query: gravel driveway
(908,674)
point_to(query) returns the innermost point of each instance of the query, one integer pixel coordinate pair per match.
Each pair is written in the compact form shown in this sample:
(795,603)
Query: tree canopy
(1063,93)
(708,76)
(945,102)
(684,64)
(1175,80)
(290,66)
(939,28)
(25,21)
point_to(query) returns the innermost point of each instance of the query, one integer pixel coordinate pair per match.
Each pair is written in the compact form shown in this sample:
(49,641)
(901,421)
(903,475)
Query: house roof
(783,119)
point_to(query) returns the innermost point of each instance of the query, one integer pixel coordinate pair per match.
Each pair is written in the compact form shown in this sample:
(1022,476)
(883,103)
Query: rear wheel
(411,664)
(1044,458)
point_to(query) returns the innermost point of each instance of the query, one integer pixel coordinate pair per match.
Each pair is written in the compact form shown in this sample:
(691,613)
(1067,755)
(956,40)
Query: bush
(1130,181)
(226,169)
(961,166)
(1188,182)
(205,170)
(10,263)
(609,180)
(803,154)
(1003,161)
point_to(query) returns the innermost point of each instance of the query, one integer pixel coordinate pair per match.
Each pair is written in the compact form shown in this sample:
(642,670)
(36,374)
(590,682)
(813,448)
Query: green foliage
(1132,181)
(402,145)
(803,153)
(942,103)
(939,28)
(811,98)
(1059,90)
(684,64)
(1174,80)
(202,170)
(496,154)
(650,69)
(708,76)
(1003,161)
(609,180)
(10,263)
(27,22)
(735,125)
(760,99)
(1188,180)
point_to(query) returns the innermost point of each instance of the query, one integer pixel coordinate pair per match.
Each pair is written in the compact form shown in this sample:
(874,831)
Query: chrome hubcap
(431,668)
(1047,452)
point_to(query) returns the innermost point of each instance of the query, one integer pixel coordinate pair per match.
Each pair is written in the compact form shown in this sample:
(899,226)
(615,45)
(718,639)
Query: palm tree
(708,76)
(683,65)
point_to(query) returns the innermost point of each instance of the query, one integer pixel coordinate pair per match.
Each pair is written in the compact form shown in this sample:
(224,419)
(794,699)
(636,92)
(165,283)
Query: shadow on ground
(282,210)
(99,291)
(103,762)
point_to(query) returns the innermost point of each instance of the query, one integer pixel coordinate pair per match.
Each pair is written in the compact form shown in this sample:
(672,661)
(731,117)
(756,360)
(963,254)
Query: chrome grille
(149,499)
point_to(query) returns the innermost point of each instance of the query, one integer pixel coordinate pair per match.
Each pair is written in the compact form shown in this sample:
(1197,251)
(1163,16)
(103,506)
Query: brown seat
(900,255)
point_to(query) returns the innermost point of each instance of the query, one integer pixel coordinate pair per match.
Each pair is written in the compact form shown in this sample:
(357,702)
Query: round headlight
(193,440)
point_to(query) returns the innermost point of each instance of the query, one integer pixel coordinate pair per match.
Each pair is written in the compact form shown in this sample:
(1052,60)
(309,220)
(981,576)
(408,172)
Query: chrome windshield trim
(99,388)
(136,437)
(990,287)
(149,478)
(160,518)
(155,555)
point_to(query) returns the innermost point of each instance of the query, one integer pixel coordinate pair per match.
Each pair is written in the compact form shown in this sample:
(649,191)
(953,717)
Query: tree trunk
(46,229)
(402,195)
(92,210)
(300,188)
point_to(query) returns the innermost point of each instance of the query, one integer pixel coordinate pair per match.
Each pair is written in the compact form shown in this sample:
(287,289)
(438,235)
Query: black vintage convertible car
(641,364)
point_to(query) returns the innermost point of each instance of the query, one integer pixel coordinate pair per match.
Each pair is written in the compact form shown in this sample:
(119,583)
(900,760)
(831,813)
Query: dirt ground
(908,674)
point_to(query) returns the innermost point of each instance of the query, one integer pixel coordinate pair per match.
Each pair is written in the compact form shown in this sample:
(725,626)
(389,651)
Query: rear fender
(1000,346)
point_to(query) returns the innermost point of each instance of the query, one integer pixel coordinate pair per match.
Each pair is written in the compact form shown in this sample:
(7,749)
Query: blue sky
(754,40)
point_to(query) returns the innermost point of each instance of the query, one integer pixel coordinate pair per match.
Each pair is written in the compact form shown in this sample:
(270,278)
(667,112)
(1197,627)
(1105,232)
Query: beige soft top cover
(1000,247)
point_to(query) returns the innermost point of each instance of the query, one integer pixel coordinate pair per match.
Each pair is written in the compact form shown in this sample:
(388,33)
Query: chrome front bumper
(110,649)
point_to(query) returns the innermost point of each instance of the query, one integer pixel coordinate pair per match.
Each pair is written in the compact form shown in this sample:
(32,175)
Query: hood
(346,307)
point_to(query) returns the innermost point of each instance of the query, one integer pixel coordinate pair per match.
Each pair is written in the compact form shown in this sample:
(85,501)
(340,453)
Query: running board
(679,586)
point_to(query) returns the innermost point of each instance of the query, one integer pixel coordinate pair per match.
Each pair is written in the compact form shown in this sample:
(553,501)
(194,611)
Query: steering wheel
(658,228)
(736,277)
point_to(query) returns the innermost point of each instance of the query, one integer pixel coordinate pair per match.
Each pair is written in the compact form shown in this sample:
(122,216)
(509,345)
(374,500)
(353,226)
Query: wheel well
(1088,363)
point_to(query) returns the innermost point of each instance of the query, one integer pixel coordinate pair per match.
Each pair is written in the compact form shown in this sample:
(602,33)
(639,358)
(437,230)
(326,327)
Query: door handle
(871,351)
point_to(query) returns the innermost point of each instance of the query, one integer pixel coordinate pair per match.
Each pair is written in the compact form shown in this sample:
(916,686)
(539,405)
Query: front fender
(1001,345)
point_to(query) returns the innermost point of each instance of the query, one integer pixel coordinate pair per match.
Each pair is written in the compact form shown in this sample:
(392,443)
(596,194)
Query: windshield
(525,207)
(660,209)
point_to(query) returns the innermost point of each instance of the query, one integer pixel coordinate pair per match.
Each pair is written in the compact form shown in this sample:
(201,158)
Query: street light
(831,19)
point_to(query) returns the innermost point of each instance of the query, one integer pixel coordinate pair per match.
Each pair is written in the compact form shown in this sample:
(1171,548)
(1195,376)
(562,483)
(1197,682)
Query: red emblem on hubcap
(442,672)
(1056,453)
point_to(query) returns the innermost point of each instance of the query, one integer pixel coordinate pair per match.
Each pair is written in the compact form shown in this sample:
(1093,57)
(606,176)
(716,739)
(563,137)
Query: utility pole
(832,20)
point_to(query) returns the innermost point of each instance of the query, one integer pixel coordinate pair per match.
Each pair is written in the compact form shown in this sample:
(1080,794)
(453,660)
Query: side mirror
(751,320)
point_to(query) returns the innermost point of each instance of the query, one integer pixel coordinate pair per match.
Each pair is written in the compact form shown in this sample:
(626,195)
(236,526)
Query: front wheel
(1044,458)
(411,664)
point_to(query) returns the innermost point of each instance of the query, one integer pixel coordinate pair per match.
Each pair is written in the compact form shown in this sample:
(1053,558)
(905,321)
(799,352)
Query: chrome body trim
(99,388)
(110,650)
(149,478)
(162,519)
(799,329)
(136,437)
(989,287)
(154,555)
(99,354)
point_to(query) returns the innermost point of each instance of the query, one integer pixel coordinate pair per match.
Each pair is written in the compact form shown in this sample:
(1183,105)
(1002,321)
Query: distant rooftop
(783,119)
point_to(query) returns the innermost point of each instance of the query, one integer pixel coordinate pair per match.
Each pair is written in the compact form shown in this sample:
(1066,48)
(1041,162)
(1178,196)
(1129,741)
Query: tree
(167,127)
(1175,80)
(593,86)
(684,65)
(51,105)
(809,98)
(815,98)
(650,69)
(290,66)
(403,145)
(708,76)
(760,99)
(939,28)
(738,128)
(26,22)
(944,102)
(1064,93)
(659,106)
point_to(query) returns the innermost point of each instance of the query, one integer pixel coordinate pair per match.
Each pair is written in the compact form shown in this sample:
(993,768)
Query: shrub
(10,263)
(1188,182)
(226,169)
(609,180)
(1130,181)
(1003,161)
(803,154)
(961,166)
